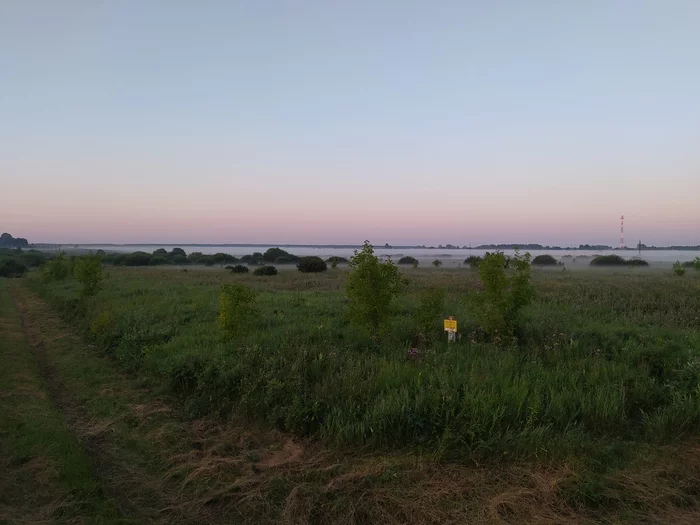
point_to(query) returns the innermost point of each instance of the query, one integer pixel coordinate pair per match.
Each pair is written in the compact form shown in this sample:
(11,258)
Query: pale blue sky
(407,122)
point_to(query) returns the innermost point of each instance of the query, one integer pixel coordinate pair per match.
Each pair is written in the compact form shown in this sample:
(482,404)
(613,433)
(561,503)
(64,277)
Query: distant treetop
(8,241)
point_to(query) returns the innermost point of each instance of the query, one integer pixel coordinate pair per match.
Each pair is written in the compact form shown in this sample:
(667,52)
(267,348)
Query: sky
(333,122)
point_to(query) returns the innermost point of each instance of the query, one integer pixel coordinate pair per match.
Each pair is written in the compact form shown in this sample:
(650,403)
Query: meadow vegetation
(544,364)
(547,365)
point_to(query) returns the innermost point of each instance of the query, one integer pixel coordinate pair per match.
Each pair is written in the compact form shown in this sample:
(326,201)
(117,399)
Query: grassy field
(602,387)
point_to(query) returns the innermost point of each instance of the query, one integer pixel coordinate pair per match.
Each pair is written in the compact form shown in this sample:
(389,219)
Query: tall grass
(598,356)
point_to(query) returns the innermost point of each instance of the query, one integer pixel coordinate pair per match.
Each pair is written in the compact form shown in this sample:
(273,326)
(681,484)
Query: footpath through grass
(45,474)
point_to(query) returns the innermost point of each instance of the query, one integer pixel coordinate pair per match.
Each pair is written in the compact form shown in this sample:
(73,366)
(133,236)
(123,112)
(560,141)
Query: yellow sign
(450,325)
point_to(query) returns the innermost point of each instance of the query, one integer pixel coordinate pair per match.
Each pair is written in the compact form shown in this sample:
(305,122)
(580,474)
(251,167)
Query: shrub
(544,260)
(239,268)
(695,264)
(265,270)
(236,310)
(430,311)
(407,259)
(473,261)
(88,272)
(337,260)
(32,258)
(637,262)
(608,260)
(57,269)
(437,263)
(311,264)
(507,289)
(100,253)
(272,254)
(12,267)
(678,269)
(178,251)
(195,256)
(371,287)
(161,251)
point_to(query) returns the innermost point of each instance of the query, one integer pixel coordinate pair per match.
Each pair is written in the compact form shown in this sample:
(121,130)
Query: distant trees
(616,260)
(8,241)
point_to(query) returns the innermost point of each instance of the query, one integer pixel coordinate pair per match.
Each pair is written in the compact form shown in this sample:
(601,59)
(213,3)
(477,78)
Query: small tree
(437,263)
(236,309)
(678,269)
(311,264)
(371,286)
(407,260)
(431,310)
(88,272)
(57,268)
(507,289)
(696,263)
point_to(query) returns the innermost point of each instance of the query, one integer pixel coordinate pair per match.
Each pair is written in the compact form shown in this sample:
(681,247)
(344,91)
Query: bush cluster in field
(593,356)
(15,262)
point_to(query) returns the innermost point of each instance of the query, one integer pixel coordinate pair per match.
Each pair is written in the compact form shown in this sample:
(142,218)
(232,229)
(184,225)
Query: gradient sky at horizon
(331,122)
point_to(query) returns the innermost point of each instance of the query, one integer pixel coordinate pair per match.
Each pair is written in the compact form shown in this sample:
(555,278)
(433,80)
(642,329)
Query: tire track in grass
(45,475)
(119,469)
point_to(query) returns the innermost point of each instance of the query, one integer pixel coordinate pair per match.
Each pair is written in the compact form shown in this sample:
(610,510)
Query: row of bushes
(15,262)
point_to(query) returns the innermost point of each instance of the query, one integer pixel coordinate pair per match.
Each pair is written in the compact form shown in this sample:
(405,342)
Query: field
(592,414)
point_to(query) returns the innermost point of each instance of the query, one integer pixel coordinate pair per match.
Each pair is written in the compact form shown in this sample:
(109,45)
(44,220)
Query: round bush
(265,270)
(274,254)
(239,268)
(311,264)
(544,260)
(408,260)
(337,260)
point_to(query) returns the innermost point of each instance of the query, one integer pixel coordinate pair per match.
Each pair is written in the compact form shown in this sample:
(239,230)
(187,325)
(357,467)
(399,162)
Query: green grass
(45,473)
(602,358)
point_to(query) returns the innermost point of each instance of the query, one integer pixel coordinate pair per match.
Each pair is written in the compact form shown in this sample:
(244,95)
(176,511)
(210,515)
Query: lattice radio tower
(622,231)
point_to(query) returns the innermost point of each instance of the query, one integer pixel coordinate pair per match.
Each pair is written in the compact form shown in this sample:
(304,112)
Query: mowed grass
(46,476)
(603,360)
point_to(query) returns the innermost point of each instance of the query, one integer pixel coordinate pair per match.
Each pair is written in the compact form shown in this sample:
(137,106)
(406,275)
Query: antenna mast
(622,231)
